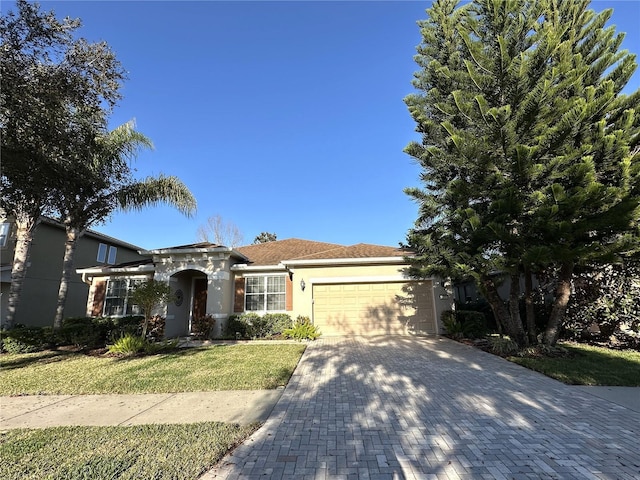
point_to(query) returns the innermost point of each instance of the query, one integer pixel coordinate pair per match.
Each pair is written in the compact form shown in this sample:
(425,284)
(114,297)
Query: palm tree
(104,184)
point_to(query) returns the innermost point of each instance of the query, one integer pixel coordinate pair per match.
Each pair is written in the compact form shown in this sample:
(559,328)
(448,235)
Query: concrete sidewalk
(628,397)
(41,411)
(239,406)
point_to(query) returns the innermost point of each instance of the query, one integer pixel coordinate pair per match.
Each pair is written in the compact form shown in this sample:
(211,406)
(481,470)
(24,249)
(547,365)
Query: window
(116,300)
(112,255)
(5,228)
(102,253)
(265,293)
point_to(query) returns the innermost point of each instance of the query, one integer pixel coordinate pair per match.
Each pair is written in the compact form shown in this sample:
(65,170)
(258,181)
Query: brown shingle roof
(272,253)
(360,250)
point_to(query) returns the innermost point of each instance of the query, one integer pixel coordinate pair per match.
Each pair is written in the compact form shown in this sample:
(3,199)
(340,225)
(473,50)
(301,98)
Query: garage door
(395,308)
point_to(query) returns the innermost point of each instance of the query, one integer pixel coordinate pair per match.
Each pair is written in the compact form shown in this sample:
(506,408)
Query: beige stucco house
(37,304)
(360,289)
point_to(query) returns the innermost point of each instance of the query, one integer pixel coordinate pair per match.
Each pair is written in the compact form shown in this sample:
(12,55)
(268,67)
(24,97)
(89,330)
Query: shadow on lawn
(39,358)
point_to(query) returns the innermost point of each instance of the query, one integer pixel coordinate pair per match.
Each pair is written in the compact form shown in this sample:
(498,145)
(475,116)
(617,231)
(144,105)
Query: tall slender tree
(529,151)
(56,93)
(104,183)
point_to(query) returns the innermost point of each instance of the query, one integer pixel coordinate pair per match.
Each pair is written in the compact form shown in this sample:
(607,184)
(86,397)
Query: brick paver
(428,408)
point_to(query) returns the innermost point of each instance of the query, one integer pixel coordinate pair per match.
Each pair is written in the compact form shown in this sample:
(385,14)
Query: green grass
(148,451)
(588,365)
(221,367)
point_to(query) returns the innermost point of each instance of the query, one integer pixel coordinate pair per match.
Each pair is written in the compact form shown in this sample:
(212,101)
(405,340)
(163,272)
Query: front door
(199,298)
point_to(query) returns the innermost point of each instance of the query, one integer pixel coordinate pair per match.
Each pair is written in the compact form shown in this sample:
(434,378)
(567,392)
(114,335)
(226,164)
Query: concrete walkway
(41,411)
(405,408)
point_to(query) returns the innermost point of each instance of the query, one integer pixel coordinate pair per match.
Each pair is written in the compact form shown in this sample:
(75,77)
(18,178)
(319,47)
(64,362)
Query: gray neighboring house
(40,290)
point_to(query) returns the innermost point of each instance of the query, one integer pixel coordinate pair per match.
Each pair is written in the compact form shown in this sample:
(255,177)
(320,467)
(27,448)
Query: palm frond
(155,191)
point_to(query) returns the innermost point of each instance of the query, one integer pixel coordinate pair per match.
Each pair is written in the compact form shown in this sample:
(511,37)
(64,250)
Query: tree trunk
(25,228)
(67,269)
(500,312)
(560,302)
(530,314)
(516,330)
(509,317)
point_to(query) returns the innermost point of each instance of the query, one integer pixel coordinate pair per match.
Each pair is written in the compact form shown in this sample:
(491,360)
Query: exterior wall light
(302,284)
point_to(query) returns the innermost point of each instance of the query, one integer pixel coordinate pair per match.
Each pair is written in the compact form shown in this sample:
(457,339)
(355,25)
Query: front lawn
(221,367)
(147,451)
(588,365)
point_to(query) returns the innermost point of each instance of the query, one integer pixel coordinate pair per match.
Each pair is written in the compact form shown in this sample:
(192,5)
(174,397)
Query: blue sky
(284,117)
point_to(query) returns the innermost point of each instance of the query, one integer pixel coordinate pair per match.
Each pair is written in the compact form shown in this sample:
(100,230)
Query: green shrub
(84,331)
(481,306)
(129,345)
(503,346)
(121,326)
(253,325)
(21,339)
(303,329)
(235,327)
(474,324)
(256,325)
(277,322)
(247,325)
(451,324)
(464,324)
(202,327)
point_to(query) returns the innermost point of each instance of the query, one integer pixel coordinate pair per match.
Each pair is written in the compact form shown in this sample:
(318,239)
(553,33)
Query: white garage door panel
(374,308)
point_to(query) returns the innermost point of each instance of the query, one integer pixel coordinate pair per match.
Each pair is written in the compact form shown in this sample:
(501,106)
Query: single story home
(345,290)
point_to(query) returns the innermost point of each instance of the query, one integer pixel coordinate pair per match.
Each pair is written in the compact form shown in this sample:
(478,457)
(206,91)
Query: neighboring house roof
(88,233)
(272,253)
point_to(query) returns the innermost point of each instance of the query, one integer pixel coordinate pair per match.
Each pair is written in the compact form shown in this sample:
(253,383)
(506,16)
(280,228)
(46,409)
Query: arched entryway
(190,290)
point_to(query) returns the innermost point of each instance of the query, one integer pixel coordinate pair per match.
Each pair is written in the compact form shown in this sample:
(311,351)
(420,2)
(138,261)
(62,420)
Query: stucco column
(219,299)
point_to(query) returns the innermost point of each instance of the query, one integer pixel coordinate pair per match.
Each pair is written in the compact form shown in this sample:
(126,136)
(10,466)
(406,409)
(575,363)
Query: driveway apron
(405,408)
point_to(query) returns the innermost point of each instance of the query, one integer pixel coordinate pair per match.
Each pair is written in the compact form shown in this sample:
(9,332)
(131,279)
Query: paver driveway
(432,408)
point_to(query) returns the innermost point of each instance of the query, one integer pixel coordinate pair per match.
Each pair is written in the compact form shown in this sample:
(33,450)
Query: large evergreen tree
(529,151)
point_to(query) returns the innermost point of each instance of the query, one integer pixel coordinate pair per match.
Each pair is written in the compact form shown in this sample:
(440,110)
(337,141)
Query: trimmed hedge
(253,325)
(21,339)
(83,332)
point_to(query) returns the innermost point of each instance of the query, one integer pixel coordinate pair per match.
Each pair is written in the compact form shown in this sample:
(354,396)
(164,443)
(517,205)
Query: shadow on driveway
(404,407)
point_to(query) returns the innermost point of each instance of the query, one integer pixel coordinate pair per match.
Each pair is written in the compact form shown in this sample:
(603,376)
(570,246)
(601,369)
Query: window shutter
(288,296)
(99,291)
(238,301)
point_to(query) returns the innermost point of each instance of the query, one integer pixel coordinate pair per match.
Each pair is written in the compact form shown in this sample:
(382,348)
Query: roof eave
(243,267)
(147,268)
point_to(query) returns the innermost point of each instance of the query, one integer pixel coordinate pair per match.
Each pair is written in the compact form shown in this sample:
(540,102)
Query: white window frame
(111,259)
(102,252)
(5,231)
(127,307)
(265,294)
